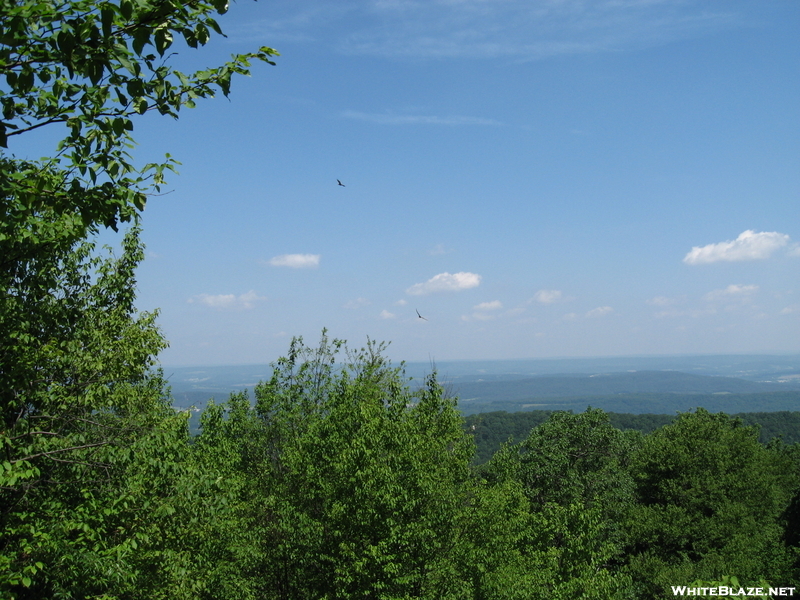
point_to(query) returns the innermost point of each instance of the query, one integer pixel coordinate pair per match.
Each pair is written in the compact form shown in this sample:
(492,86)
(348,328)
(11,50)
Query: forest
(337,480)
(492,429)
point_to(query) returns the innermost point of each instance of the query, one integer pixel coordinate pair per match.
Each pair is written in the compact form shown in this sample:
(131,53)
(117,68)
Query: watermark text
(722,590)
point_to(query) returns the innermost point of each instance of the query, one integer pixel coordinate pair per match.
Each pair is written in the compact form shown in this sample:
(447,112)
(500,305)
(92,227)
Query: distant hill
(605,384)
(668,403)
(199,399)
(664,392)
(490,386)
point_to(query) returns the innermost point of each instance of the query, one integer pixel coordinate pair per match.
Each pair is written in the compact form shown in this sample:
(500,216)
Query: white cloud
(483,311)
(223,301)
(750,245)
(731,291)
(792,308)
(600,311)
(393,119)
(401,302)
(570,316)
(357,303)
(493,305)
(547,296)
(445,282)
(295,261)
(385,314)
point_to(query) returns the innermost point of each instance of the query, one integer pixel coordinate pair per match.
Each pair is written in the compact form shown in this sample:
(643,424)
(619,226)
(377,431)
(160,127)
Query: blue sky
(536,178)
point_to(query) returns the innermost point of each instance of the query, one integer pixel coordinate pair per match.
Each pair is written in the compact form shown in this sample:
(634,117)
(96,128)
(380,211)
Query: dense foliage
(710,499)
(340,480)
(90,448)
(492,429)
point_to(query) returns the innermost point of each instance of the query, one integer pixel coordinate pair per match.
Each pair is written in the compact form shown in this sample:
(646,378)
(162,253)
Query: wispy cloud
(484,311)
(445,282)
(493,305)
(357,303)
(394,119)
(732,291)
(228,301)
(516,29)
(548,296)
(600,311)
(296,261)
(290,23)
(385,314)
(438,249)
(480,28)
(748,246)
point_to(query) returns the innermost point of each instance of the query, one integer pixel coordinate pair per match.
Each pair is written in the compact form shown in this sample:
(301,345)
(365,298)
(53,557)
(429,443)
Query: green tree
(90,66)
(573,472)
(355,481)
(70,429)
(349,483)
(710,503)
(80,408)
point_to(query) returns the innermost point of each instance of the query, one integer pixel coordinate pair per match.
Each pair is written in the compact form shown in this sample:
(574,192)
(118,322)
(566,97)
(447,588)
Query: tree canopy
(80,404)
(90,67)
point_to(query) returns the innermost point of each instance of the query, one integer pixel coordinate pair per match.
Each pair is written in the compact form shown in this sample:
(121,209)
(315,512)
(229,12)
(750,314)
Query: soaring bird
(420,316)
(341,184)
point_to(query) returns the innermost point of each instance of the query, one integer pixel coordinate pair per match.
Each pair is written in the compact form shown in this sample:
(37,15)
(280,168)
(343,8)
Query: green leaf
(107,19)
(163,40)
(141,37)
(126,9)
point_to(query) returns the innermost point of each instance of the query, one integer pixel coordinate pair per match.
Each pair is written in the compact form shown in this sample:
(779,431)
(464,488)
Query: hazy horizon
(795,355)
(221,379)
